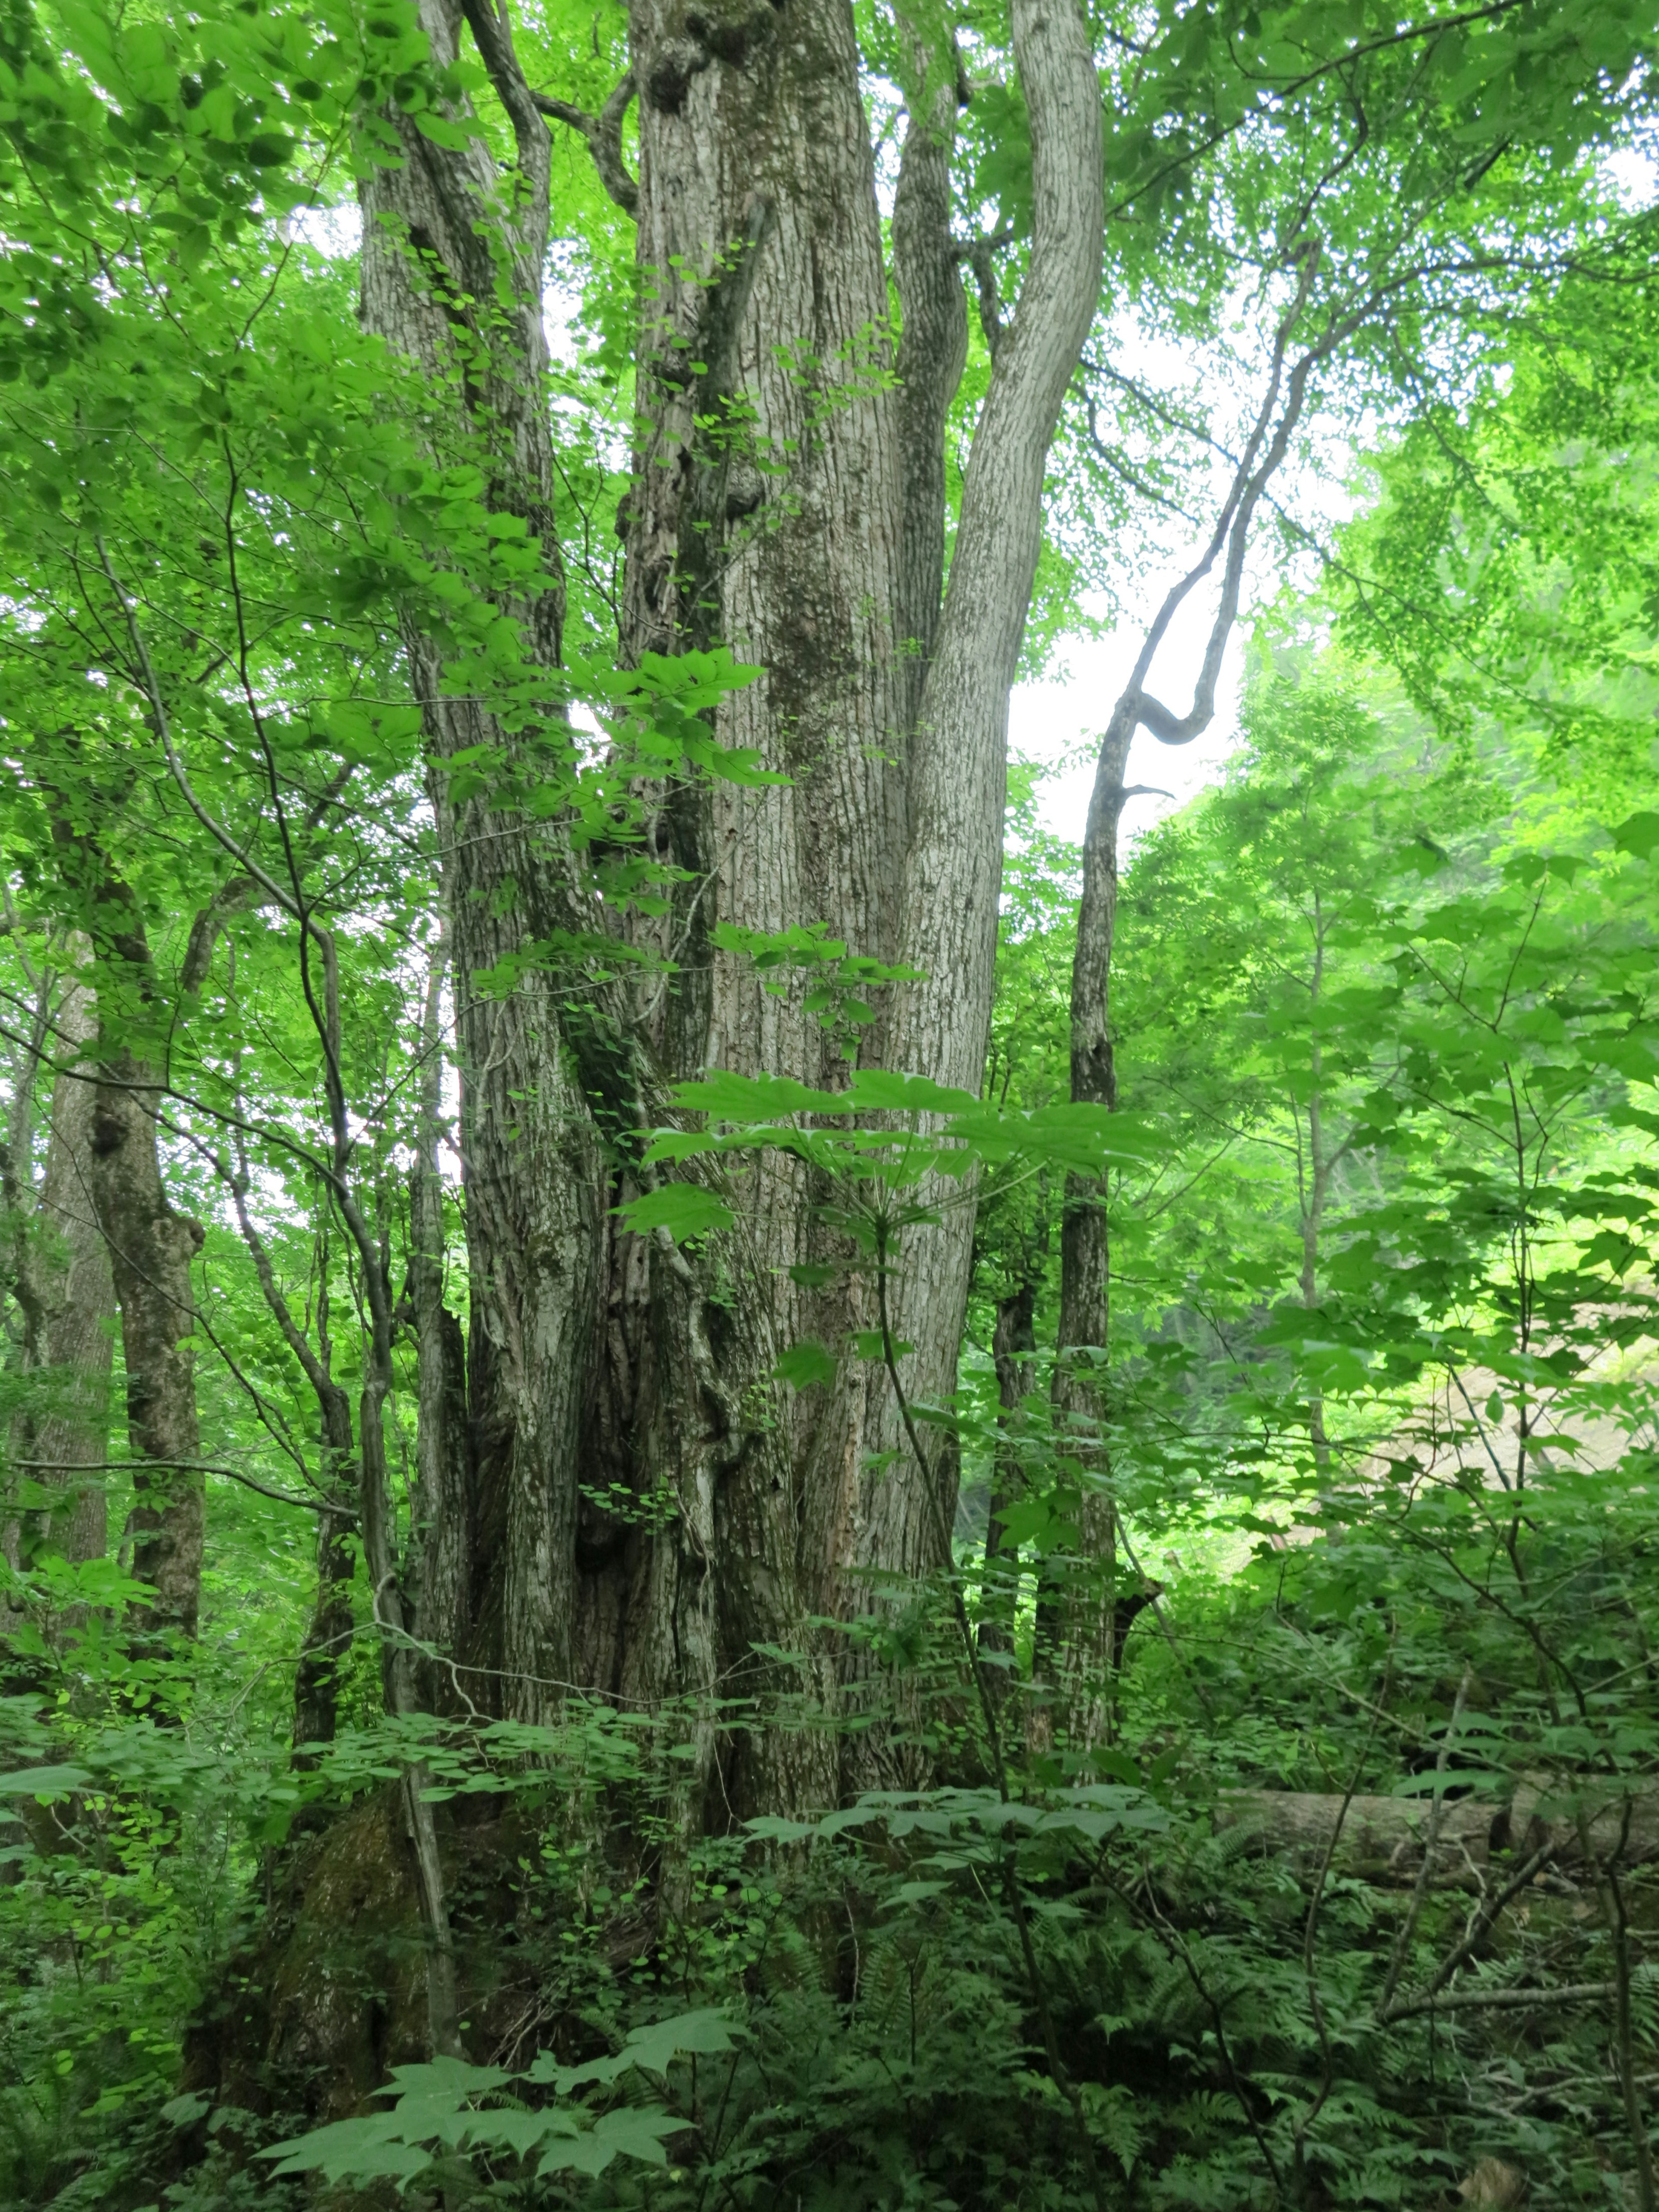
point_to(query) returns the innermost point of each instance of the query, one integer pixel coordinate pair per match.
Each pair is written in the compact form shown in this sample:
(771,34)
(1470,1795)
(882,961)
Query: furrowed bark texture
(1077,1628)
(932,353)
(643,1506)
(445,1472)
(151,1247)
(531,1156)
(779,532)
(328,1634)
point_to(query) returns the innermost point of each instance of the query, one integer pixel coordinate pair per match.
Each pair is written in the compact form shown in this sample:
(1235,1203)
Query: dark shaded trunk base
(330,1994)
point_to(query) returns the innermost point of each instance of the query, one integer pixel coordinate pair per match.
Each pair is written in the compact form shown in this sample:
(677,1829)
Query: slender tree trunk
(151,1247)
(1076,1631)
(958,760)
(1090,1636)
(1316,1183)
(75,1292)
(65,1294)
(1013,1348)
(328,1631)
(20,1199)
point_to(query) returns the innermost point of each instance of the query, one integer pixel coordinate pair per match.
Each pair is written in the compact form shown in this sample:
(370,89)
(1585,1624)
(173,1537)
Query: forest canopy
(730,1473)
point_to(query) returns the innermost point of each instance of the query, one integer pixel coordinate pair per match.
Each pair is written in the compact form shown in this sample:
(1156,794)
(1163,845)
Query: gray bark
(761,254)
(78,1296)
(932,353)
(788,503)
(66,1291)
(445,1505)
(959,764)
(531,1156)
(151,1247)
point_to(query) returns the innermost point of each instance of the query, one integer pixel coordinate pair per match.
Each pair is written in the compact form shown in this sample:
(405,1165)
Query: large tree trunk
(663,1609)
(766,512)
(528,1141)
(785,503)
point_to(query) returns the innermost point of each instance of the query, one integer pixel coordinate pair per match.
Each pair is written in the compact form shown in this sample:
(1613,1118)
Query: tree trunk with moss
(648,1505)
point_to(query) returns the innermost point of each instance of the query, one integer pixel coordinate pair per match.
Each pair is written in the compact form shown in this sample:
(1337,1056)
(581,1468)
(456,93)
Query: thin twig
(185,1466)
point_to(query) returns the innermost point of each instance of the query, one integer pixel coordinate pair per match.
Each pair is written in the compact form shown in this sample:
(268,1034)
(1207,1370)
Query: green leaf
(1639,836)
(45,1781)
(805,1364)
(683,1209)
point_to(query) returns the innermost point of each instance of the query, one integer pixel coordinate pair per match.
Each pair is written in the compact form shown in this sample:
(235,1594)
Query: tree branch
(1568,1993)
(187,1467)
(602,132)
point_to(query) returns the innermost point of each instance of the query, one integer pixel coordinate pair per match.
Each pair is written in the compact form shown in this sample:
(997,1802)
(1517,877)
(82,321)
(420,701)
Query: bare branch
(187,1467)
(602,132)
(1567,1993)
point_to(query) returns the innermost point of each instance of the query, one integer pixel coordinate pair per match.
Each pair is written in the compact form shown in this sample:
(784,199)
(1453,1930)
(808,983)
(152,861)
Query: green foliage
(441,2110)
(1380,1397)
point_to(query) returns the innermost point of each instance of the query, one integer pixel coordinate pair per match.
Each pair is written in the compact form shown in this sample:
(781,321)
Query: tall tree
(776,510)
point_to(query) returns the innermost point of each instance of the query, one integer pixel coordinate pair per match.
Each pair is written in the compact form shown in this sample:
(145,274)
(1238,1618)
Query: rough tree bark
(786,503)
(765,514)
(430,286)
(76,1291)
(66,1291)
(444,1510)
(151,1247)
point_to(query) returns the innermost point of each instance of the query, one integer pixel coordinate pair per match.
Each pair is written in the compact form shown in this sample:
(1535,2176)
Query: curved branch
(187,1467)
(602,132)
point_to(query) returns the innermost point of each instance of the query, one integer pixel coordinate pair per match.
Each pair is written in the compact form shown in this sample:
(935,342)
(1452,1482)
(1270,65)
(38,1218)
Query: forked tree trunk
(940,1025)
(788,504)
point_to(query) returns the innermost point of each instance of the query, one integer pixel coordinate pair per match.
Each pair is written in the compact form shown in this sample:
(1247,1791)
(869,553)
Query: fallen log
(1381,1839)
(1378,1839)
